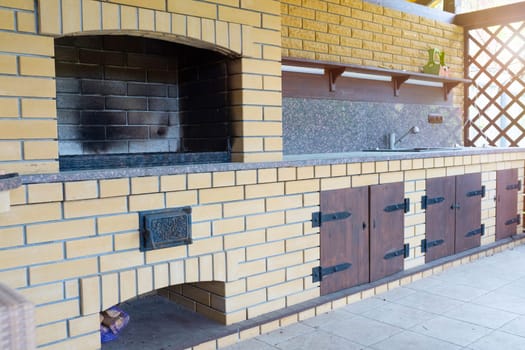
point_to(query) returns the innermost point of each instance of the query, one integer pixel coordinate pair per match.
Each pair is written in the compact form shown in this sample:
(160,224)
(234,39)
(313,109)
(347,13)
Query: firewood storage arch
(207,273)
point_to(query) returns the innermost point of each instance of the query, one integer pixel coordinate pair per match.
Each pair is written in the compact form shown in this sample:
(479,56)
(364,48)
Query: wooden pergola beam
(449,6)
(496,15)
(492,16)
(415,9)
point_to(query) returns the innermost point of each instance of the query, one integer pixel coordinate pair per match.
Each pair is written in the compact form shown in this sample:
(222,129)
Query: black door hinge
(405,206)
(425,201)
(514,186)
(515,220)
(429,244)
(318,218)
(477,193)
(405,252)
(319,272)
(479,231)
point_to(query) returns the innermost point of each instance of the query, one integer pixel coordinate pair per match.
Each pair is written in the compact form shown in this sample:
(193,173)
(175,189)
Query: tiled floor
(476,306)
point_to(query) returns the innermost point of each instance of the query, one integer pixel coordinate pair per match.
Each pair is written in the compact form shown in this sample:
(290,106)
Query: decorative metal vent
(165,228)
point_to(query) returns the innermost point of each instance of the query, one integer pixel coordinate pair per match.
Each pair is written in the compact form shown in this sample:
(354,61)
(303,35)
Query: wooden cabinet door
(468,212)
(386,230)
(346,240)
(440,217)
(507,188)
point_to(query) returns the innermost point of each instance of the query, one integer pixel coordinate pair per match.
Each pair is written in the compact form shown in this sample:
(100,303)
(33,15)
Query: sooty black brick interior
(133,95)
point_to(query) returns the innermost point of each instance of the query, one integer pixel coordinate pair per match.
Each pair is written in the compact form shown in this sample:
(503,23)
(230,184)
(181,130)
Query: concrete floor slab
(337,316)
(399,315)
(251,344)
(413,341)
(395,294)
(482,315)
(499,340)
(319,340)
(364,306)
(502,301)
(516,326)
(452,331)
(429,302)
(284,334)
(459,292)
(362,330)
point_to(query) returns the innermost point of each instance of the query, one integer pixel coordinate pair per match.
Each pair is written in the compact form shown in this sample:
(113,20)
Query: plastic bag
(112,322)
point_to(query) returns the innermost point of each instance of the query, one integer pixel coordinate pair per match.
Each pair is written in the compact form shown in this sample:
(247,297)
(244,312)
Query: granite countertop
(288,161)
(10,182)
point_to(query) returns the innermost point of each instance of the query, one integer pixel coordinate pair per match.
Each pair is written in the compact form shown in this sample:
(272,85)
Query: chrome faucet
(392,142)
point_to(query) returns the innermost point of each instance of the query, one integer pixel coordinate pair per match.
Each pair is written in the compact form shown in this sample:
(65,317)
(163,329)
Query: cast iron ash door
(344,239)
(440,217)
(387,209)
(468,212)
(507,218)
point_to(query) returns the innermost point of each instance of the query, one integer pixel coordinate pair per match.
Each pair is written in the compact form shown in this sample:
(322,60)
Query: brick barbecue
(107,106)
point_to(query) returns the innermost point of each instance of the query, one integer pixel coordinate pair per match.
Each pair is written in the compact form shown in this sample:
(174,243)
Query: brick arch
(97,293)
(92,17)
(190,295)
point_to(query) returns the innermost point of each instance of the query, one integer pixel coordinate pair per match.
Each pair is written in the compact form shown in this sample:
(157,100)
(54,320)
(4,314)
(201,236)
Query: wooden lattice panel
(495,102)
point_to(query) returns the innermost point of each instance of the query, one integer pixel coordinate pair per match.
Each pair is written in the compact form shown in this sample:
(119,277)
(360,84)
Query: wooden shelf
(398,77)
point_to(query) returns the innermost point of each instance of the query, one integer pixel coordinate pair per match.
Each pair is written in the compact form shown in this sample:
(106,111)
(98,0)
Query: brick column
(28,129)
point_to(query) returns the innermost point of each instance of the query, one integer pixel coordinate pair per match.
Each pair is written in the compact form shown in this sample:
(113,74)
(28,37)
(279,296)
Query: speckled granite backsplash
(324,126)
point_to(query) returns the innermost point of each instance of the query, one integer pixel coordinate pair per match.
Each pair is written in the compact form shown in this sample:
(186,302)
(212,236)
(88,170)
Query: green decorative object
(443,69)
(434,62)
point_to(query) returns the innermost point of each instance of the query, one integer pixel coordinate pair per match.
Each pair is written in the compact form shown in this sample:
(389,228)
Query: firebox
(127,101)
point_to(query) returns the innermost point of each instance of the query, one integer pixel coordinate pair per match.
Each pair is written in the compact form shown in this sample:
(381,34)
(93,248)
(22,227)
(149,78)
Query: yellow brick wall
(248,30)
(72,247)
(363,33)
(359,32)
(28,129)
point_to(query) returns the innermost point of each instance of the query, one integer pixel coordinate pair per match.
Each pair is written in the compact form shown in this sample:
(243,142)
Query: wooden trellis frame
(495,61)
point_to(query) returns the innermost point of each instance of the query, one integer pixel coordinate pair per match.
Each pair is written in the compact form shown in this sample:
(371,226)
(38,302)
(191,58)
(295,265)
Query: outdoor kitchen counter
(288,161)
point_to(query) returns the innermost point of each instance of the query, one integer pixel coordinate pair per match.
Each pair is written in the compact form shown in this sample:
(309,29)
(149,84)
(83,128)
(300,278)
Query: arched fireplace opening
(125,101)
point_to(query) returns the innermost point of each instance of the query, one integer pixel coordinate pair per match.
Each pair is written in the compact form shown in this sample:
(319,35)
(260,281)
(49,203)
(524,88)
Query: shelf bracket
(333,75)
(447,87)
(397,81)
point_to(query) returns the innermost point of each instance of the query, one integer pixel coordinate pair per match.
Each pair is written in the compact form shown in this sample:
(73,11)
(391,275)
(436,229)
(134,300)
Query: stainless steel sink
(415,149)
